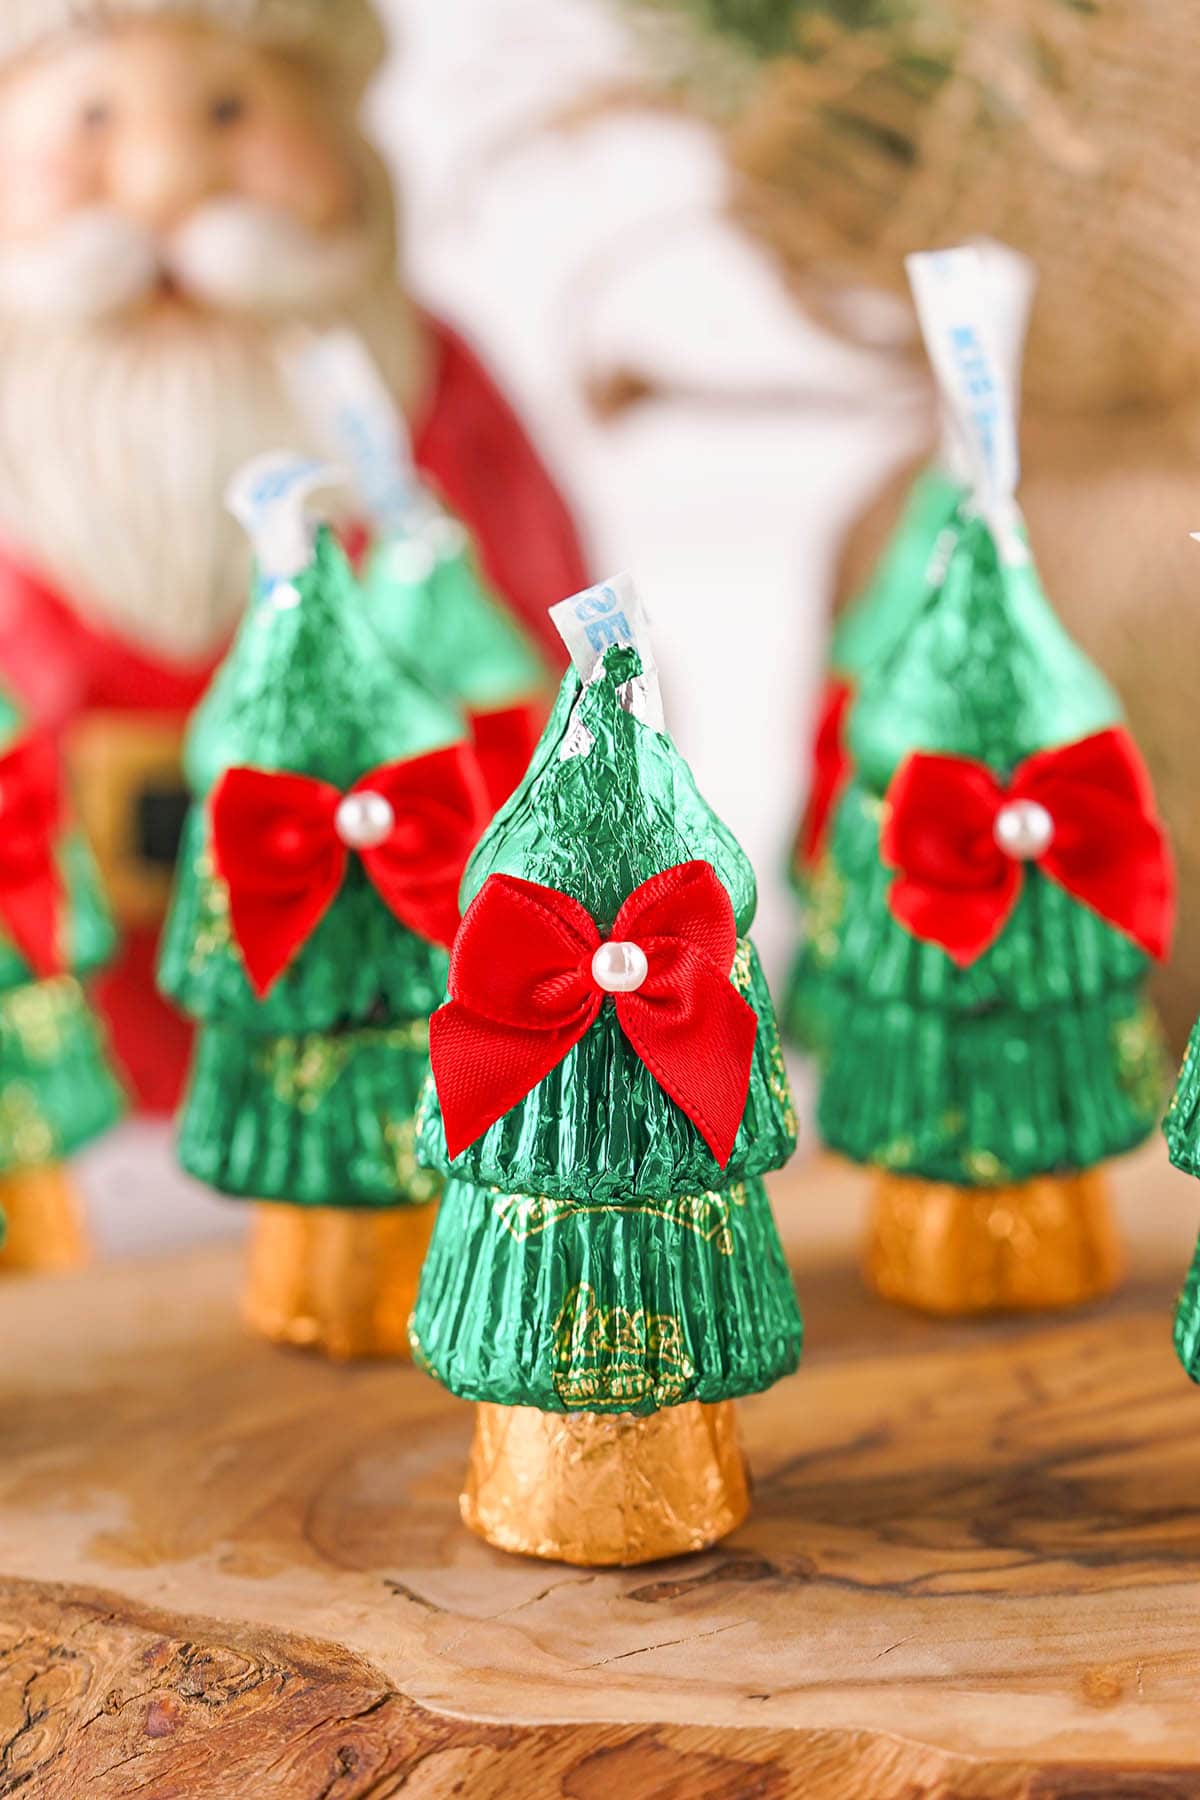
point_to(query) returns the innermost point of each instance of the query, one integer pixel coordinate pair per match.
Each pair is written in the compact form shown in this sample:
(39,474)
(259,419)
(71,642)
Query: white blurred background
(565,238)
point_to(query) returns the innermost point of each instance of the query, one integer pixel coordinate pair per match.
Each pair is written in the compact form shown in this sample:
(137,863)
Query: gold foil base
(600,1490)
(1045,1243)
(338,1279)
(45,1230)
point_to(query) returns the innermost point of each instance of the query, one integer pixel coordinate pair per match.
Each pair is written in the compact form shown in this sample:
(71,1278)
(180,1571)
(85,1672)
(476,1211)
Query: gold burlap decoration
(1070,132)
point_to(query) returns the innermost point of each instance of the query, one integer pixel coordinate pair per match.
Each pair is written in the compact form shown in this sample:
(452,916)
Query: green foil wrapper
(360,966)
(597,825)
(869,629)
(1181,1127)
(802,1010)
(316,1119)
(992,1099)
(983,670)
(805,1014)
(600,1127)
(1040,1057)
(623,1307)
(1182,1130)
(427,602)
(877,620)
(91,933)
(589,1255)
(305,688)
(57,1091)
(1054,951)
(1187,1320)
(89,937)
(308,1095)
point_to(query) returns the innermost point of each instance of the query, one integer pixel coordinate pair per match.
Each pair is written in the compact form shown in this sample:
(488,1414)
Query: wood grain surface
(229,1572)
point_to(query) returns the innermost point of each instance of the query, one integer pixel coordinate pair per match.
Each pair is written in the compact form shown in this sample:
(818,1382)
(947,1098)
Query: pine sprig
(767,28)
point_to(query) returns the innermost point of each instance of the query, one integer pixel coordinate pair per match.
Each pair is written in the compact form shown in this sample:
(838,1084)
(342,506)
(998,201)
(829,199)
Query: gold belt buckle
(127,778)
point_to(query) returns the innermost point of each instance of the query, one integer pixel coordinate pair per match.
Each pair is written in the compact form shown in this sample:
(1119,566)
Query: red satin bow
(276,846)
(31,887)
(957,887)
(831,766)
(522,994)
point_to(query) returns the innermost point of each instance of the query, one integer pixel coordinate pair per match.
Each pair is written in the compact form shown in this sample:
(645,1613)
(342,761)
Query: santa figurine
(182,182)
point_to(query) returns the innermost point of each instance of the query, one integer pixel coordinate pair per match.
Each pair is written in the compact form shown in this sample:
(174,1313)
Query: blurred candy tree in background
(856,134)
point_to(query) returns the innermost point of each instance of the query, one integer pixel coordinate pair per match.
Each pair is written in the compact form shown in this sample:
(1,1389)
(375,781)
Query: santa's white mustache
(233,254)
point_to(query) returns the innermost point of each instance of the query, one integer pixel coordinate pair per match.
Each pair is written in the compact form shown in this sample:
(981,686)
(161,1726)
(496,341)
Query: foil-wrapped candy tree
(336,803)
(606,1275)
(871,627)
(1007,883)
(865,633)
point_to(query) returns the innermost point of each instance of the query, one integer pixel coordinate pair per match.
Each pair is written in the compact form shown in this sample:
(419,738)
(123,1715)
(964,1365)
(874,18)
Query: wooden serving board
(972,1572)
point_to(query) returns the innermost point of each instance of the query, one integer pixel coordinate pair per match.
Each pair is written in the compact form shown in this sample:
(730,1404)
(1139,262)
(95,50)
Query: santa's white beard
(117,443)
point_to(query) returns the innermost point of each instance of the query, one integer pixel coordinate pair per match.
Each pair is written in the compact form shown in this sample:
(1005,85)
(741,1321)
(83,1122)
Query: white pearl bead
(620,968)
(1024,830)
(364,820)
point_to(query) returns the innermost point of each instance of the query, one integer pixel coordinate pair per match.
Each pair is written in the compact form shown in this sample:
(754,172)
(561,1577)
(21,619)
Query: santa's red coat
(473,449)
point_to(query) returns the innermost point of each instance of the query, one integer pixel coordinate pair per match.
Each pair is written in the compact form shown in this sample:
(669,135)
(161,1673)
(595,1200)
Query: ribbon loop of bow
(277,848)
(957,887)
(523,994)
(31,886)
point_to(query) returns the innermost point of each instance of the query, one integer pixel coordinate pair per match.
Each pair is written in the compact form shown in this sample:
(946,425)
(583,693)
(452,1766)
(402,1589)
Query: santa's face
(172,197)
(128,157)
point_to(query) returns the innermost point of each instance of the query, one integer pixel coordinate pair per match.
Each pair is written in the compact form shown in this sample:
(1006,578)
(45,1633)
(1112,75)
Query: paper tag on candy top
(956,307)
(608,616)
(339,388)
(269,498)
(1012,280)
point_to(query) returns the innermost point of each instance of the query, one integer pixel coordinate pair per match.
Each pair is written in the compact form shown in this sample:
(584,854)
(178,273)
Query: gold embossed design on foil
(45,1223)
(24,1126)
(38,1013)
(779,1084)
(617,1353)
(213,931)
(338,1279)
(525,1216)
(1044,1243)
(1141,1054)
(825,899)
(301,1069)
(604,1491)
(417,1184)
